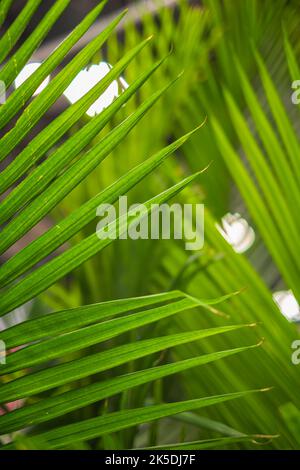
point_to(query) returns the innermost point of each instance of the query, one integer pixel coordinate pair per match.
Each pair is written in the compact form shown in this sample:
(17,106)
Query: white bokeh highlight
(287,304)
(237,232)
(26,72)
(87,79)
